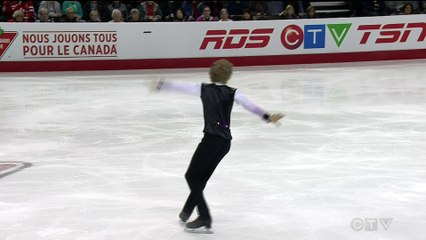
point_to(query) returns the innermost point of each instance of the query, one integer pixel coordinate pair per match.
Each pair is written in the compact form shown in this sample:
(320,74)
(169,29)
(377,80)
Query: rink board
(109,46)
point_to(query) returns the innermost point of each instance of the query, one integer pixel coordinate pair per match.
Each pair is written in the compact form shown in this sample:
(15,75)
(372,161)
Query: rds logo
(312,36)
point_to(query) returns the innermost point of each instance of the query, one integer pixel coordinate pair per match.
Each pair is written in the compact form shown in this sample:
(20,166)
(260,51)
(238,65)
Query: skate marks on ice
(7,168)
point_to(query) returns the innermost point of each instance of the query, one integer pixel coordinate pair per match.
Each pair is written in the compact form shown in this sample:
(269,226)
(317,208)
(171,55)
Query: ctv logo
(6,39)
(313,36)
(392,33)
(258,38)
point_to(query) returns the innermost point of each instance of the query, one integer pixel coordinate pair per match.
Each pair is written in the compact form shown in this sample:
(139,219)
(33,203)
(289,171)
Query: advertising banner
(156,45)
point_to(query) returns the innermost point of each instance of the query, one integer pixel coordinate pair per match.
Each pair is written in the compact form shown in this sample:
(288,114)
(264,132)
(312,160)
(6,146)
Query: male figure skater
(217,99)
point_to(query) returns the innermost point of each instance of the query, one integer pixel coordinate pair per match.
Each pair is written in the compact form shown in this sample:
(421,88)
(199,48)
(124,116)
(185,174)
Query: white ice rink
(108,159)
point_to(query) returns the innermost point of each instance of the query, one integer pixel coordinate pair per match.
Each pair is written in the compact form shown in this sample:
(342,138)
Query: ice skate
(199,226)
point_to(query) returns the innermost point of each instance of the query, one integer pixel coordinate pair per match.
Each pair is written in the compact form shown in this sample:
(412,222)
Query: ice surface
(109,159)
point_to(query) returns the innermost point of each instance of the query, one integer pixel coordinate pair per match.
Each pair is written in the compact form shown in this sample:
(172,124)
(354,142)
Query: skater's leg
(224,149)
(204,156)
(190,204)
(196,185)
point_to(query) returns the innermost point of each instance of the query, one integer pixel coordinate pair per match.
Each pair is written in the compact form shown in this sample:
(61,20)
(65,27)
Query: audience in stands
(71,16)
(117,5)
(17,16)
(260,10)
(192,9)
(180,16)
(407,9)
(94,16)
(116,16)
(25,7)
(135,16)
(236,8)
(247,15)
(181,11)
(99,7)
(206,15)
(374,8)
(288,13)
(150,11)
(311,12)
(43,16)
(224,15)
(53,8)
(168,9)
(274,8)
(76,6)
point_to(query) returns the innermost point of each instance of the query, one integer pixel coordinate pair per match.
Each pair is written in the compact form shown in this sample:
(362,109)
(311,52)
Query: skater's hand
(275,118)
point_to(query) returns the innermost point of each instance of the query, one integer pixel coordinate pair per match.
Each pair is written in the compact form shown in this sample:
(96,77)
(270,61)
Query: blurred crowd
(181,11)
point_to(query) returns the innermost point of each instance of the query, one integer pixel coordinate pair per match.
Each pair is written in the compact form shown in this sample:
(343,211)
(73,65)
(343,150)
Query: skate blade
(202,230)
(182,223)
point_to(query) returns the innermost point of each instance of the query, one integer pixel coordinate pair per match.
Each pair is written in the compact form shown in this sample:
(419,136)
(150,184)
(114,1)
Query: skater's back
(217,101)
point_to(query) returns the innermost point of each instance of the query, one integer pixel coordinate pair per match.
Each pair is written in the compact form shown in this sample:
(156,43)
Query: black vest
(217,107)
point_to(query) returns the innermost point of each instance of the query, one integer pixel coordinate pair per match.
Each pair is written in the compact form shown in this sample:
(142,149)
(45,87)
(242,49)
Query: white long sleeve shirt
(195,89)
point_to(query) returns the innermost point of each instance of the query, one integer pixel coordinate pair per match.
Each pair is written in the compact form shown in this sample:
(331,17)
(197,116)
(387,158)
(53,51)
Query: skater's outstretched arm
(253,108)
(188,88)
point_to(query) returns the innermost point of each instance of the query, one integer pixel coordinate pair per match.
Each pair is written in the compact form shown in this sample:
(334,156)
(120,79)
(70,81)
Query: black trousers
(207,156)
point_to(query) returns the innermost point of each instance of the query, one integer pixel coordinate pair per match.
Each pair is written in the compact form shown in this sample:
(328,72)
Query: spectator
(94,16)
(53,9)
(206,15)
(407,9)
(70,15)
(224,15)
(99,7)
(119,6)
(18,16)
(150,11)
(43,16)
(396,7)
(374,8)
(168,8)
(236,8)
(26,7)
(116,16)
(78,11)
(288,13)
(274,8)
(215,7)
(259,10)
(247,16)
(192,9)
(180,16)
(311,12)
(134,16)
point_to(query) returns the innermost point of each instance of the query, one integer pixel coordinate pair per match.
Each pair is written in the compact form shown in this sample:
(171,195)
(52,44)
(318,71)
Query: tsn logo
(257,38)
(392,33)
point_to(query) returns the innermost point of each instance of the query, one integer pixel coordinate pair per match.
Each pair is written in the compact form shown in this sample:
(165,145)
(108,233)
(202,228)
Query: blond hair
(18,13)
(220,71)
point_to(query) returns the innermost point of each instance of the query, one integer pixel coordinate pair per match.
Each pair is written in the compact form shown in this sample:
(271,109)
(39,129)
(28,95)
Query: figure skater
(217,99)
